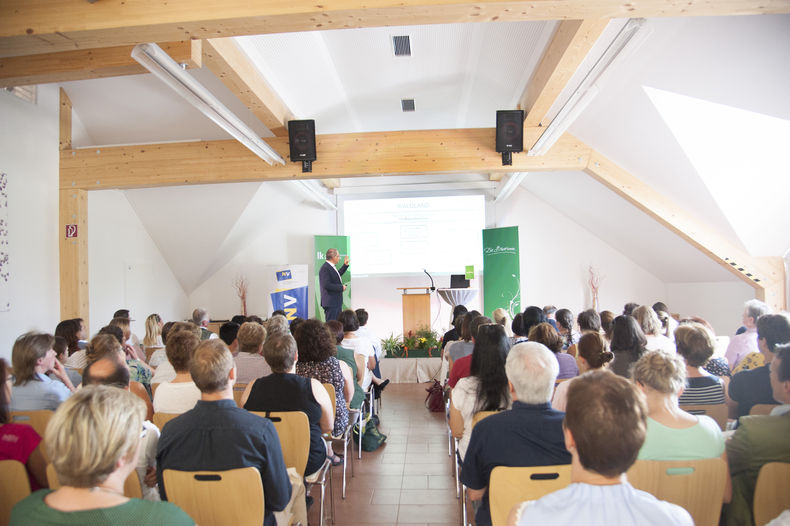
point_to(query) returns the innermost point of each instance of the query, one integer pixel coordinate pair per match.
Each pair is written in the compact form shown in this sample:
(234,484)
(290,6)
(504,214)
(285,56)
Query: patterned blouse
(328,372)
(139,373)
(718,367)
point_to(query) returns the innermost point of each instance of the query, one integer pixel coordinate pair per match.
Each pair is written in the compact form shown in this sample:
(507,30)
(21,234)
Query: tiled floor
(409,480)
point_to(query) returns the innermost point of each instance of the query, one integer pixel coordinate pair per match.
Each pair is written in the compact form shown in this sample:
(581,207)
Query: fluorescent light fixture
(315,193)
(509,184)
(155,60)
(587,90)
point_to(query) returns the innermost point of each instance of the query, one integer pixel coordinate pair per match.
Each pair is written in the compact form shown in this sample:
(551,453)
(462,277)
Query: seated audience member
(458,323)
(519,331)
(153,331)
(716,366)
(131,338)
(501,317)
(745,343)
(454,333)
(335,329)
(20,442)
(534,315)
(93,440)
(564,319)
(550,315)
(112,371)
(667,321)
(530,434)
(607,323)
(255,319)
(464,346)
(238,319)
(180,394)
(33,357)
(588,321)
(317,360)
(627,343)
(277,324)
(485,389)
(73,331)
(604,429)
(250,364)
(217,435)
(365,332)
(284,390)
(159,356)
(201,318)
(752,387)
(673,434)
(139,370)
(362,347)
(759,440)
(545,334)
(594,354)
(695,343)
(165,371)
(462,367)
(651,327)
(628,308)
(61,352)
(229,333)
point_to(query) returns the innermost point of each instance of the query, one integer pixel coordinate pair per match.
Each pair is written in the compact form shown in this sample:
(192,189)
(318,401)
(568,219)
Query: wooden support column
(72,235)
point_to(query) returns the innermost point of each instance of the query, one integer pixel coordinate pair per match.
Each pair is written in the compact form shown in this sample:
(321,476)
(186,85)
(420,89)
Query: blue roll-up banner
(292,301)
(289,283)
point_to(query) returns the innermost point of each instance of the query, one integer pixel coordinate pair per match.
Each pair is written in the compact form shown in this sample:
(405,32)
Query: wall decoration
(5,271)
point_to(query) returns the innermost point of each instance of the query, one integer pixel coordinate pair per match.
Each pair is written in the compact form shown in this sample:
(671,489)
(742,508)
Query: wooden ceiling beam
(44,26)
(342,155)
(765,274)
(571,43)
(81,64)
(232,66)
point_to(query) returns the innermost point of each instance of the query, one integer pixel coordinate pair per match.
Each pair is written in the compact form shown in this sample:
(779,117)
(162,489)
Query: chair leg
(331,497)
(457,476)
(463,507)
(345,463)
(321,508)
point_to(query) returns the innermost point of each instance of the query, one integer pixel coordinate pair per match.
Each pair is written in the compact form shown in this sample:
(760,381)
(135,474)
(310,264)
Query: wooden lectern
(416,309)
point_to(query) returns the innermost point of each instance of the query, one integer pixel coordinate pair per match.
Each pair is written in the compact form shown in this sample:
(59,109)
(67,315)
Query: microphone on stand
(433,288)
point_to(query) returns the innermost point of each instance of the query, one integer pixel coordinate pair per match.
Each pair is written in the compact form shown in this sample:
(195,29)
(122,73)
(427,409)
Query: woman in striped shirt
(695,343)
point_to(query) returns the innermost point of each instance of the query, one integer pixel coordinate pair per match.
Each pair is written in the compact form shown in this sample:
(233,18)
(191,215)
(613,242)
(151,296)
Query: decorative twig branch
(595,284)
(241,284)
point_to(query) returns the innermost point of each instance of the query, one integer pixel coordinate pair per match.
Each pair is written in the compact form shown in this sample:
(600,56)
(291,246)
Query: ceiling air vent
(407,104)
(402,46)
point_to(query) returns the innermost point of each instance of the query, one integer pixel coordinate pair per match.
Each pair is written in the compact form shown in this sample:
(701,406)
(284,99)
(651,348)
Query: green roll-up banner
(501,275)
(322,244)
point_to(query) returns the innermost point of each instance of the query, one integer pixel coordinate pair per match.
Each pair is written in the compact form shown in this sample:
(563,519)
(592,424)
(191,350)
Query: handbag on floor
(435,399)
(371,438)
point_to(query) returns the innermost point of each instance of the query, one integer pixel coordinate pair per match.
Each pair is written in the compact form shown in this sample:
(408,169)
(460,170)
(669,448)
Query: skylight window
(742,157)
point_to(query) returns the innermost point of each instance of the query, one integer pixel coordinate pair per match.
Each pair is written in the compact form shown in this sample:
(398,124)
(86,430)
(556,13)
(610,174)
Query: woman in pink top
(20,442)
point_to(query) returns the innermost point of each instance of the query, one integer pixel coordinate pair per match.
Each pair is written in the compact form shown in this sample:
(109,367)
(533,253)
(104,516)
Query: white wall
(29,156)
(556,253)
(126,269)
(721,304)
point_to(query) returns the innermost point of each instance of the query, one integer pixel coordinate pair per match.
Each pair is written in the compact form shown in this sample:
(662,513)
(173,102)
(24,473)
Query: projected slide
(406,235)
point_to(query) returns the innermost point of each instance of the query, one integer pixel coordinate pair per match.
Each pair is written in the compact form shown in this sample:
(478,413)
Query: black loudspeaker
(301,138)
(509,133)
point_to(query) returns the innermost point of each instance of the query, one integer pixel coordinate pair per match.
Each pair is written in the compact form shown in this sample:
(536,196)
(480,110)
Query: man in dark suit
(331,285)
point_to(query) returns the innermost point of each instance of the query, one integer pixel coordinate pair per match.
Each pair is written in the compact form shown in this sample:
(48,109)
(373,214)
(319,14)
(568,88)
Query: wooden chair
(221,498)
(160,419)
(481,415)
(149,351)
(38,420)
(238,391)
(762,409)
(718,412)
(771,495)
(345,437)
(131,486)
(14,486)
(512,485)
(696,485)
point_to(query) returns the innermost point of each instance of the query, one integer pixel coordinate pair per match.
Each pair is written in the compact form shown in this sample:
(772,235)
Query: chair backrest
(160,419)
(481,415)
(293,429)
(151,350)
(131,486)
(761,409)
(509,486)
(38,420)
(331,390)
(696,485)
(238,391)
(232,497)
(153,389)
(14,486)
(771,495)
(718,412)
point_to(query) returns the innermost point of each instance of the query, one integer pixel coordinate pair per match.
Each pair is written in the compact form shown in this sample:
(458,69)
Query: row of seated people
(531,432)
(317,343)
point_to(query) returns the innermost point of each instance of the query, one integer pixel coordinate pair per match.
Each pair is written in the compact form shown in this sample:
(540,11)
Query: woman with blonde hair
(153,331)
(501,317)
(651,326)
(594,354)
(94,441)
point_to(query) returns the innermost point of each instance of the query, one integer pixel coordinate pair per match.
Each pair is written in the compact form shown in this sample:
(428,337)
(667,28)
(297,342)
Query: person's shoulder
(158,512)
(661,511)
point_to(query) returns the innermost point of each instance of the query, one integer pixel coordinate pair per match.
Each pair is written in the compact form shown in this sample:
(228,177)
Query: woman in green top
(94,440)
(347,355)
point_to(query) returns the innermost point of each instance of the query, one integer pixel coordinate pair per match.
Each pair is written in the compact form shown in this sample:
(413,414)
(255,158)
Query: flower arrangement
(423,343)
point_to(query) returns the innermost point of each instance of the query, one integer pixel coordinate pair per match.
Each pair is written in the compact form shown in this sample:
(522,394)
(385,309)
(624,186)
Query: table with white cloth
(457,296)
(410,370)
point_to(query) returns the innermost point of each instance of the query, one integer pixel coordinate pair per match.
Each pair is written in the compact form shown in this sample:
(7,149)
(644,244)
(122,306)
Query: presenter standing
(331,285)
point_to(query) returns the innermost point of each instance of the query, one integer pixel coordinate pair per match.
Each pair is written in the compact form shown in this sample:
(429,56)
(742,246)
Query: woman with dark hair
(61,354)
(544,333)
(589,321)
(628,344)
(564,319)
(486,389)
(73,331)
(364,353)
(594,354)
(33,357)
(607,323)
(317,360)
(20,442)
(520,332)
(464,347)
(532,316)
